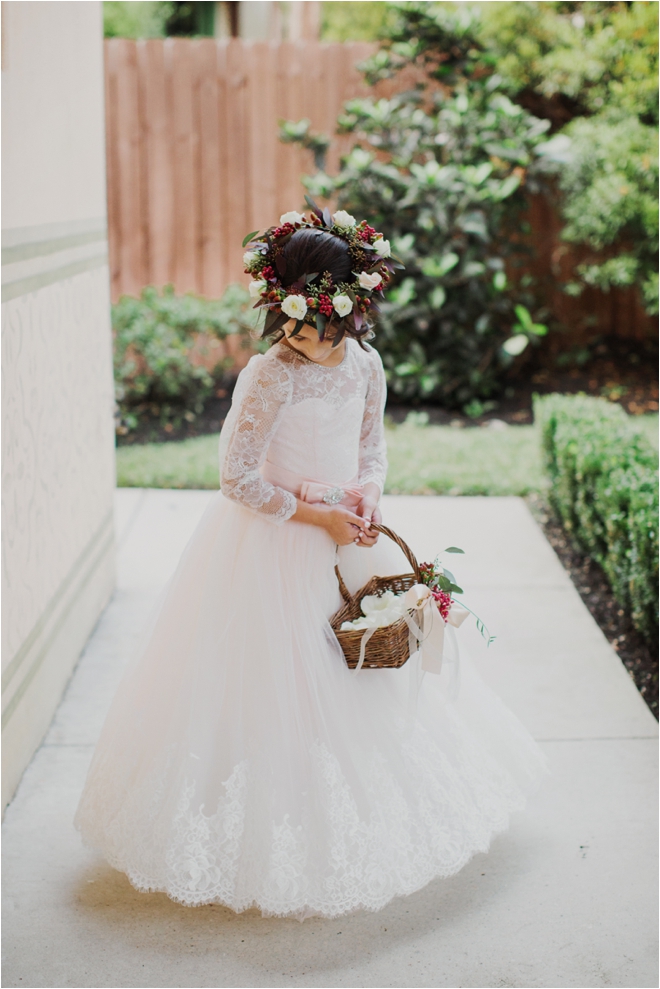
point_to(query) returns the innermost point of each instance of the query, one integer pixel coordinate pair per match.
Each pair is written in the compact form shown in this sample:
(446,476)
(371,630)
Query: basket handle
(408,553)
(410,556)
(345,593)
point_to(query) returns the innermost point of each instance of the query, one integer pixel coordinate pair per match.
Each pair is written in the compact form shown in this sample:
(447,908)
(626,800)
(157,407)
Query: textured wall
(57,392)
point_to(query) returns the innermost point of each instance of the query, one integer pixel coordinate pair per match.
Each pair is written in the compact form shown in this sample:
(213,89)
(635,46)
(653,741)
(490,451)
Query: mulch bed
(623,372)
(635,653)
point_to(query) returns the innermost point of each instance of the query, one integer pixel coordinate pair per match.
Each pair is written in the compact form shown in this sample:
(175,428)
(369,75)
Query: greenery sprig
(443,586)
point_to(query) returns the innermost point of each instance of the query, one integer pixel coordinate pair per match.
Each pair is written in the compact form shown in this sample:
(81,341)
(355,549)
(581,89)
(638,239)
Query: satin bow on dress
(349,494)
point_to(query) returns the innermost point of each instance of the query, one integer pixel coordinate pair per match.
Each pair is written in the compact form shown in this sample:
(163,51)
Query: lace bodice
(323,423)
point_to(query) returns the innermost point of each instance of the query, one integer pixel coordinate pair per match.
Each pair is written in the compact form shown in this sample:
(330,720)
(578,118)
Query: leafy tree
(441,168)
(590,68)
(608,172)
(139,19)
(593,69)
(354,21)
(588,56)
(143,19)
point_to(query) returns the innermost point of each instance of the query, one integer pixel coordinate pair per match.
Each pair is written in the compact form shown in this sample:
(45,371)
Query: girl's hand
(368,510)
(345,527)
(342,526)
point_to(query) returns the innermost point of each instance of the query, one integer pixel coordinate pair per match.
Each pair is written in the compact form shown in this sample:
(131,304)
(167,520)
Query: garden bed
(622,374)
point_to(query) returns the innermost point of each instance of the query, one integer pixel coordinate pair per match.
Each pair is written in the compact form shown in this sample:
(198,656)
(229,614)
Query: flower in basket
(378,610)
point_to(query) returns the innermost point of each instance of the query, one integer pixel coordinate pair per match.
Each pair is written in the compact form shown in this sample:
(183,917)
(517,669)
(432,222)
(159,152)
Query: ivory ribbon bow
(427,633)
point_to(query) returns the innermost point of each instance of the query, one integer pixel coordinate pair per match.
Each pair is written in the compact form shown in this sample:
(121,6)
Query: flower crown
(315,298)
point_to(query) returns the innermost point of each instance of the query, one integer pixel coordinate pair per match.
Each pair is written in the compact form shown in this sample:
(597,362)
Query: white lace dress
(241,762)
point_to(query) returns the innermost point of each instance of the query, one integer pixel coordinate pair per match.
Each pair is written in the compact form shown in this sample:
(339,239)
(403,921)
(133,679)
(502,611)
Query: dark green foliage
(592,68)
(136,19)
(444,168)
(354,21)
(157,18)
(604,487)
(154,337)
(608,174)
(191,18)
(440,171)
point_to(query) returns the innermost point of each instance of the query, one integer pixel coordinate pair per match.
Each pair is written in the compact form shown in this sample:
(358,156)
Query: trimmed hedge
(604,487)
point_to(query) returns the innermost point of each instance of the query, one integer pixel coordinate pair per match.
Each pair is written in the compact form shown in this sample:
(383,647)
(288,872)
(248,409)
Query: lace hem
(352,862)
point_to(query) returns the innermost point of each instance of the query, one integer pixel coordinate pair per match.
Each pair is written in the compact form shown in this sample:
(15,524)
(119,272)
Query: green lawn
(423,460)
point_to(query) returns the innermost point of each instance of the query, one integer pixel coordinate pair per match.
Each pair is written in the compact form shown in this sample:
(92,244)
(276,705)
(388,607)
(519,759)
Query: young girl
(242,762)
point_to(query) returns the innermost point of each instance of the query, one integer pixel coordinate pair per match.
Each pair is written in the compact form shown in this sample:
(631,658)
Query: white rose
(255,288)
(369,281)
(382,247)
(292,217)
(295,306)
(342,305)
(249,257)
(343,219)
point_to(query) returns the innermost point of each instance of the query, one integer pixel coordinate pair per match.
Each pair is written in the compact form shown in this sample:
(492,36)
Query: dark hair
(312,250)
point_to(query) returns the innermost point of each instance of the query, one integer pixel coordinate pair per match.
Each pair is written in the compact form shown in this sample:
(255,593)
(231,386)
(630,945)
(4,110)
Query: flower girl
(242,762)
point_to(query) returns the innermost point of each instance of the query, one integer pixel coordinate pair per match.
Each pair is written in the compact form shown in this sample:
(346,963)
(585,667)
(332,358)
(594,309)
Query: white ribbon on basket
(427,634)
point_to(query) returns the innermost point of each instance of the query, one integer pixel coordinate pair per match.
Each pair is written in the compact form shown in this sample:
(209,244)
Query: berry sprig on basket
(442,584)
(315,298)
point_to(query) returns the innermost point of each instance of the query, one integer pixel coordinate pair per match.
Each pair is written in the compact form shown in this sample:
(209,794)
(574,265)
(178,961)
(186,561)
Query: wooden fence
(194,162)
(193,156)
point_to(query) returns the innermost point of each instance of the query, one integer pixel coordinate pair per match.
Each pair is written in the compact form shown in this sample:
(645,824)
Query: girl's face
(307,343)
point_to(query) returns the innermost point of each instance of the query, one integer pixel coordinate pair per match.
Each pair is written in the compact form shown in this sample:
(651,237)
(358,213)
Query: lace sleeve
(373,450)
(262,392)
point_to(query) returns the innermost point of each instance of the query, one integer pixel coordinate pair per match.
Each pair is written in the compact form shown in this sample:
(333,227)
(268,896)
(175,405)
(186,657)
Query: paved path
(565,898)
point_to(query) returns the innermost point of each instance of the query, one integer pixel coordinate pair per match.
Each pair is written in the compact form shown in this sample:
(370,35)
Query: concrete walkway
(565,898)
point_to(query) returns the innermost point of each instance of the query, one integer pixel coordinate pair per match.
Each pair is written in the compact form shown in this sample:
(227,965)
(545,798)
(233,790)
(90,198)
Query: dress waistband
(349,494)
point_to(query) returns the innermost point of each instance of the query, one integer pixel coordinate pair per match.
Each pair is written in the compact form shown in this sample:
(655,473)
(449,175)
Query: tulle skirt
(242,763)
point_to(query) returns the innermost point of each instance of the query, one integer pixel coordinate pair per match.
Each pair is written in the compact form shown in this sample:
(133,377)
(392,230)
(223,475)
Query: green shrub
(608,174)
(596,63)
(165,346)
(137,19)
(441,170)
(353,21)
(604,487)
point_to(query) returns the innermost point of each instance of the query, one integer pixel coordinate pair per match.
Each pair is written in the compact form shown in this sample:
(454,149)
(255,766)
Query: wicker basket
(388,647)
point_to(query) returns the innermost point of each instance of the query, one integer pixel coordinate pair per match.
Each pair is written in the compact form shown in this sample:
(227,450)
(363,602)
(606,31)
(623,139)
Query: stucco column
(57,391)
